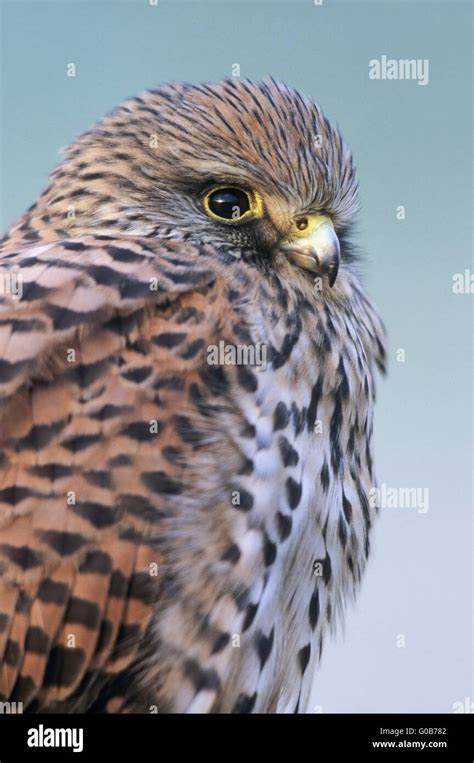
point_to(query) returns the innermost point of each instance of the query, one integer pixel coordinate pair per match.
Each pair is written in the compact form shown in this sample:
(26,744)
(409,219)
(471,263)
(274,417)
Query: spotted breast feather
(177,531)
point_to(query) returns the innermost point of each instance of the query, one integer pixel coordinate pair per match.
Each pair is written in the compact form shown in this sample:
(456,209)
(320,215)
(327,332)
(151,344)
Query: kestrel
(187,361)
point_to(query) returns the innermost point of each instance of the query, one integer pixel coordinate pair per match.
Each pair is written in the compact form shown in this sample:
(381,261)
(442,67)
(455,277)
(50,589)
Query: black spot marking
(169,339)
(187,431)
(82,612)
(40,435)
(245,499)
(123,255)
(293,492)
(16,494)
(81,442)
(118,585)
(37,640)
(303,657)
(247,379)
(67,319)
(344,385)
(120,460)
(23,603)
(314,609)
(137,375)
(342,531)
(98,514)
(64,666)
(250,613)
(172,454)
(105,635)
(232,554)
(139,506)
(96,562)
(324,475)
(247,466)
(312,411)
(281,417)
(160,482)
(245,703)
(264,646)
(98,478)
(142,586)
(284,522)
(141,431)
(51,472)
(85,375)
(288,453)
(201,678)
(74,246)
(64,543)
(215,379)
(269,552)
(220,643)
(22,556)
(12,654)
(192,349)
(248,431)
(53,592)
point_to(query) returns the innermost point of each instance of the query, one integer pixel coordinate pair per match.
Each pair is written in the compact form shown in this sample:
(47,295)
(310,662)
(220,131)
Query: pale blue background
(412,145)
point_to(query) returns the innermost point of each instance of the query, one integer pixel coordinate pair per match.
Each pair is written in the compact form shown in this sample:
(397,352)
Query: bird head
(255,169)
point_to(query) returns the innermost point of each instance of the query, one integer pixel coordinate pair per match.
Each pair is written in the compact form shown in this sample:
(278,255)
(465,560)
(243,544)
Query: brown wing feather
(80,406)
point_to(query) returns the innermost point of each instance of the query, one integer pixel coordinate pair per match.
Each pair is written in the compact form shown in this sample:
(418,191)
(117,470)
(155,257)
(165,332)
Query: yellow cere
(304,225)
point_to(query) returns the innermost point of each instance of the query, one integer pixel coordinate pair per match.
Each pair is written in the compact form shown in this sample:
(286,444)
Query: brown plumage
(176,534)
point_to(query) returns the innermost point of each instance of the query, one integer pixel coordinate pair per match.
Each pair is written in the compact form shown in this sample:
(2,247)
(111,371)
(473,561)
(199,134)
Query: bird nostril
(302,223)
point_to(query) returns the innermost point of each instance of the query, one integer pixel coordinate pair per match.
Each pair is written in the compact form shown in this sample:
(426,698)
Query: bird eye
(232,204)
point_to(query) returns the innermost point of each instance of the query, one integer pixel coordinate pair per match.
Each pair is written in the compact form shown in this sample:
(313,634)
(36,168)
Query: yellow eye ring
(226,202)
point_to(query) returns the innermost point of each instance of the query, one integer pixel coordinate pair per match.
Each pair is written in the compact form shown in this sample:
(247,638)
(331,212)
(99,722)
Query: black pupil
(229,203)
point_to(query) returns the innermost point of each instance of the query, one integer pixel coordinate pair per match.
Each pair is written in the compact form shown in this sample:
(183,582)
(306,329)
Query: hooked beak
(316,250)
